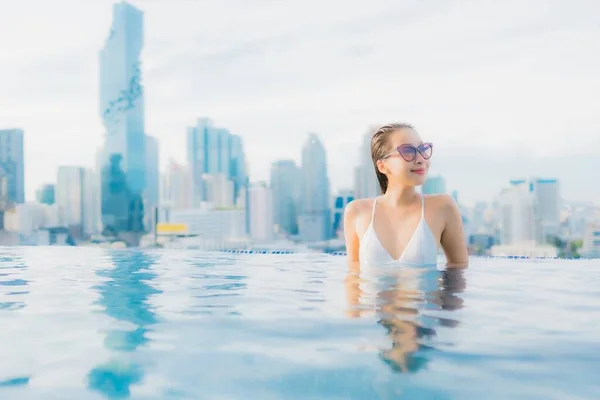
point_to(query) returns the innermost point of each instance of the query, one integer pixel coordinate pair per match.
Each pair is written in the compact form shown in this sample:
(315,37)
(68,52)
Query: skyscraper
(547,194)
(69,196)
(91,202)
(45,194)
(517,216)
(341,200)
(315,211)
(237,167)
(76,200)
(152,172)
(176,187)
(12,177)
(219,190)
(261,212)
(214,151)
(365,180)
(285,186)
(197,138)
(122,112)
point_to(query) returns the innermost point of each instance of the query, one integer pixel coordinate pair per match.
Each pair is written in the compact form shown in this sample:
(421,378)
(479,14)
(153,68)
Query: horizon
(463,77)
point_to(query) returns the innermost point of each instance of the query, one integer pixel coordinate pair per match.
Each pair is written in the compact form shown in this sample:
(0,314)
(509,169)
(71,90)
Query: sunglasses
(409,152)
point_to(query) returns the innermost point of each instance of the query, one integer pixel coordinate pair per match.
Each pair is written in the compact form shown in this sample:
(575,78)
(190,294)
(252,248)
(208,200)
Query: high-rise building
(285,178)
(214,151)
(176,187)
(365,179)
(434,185)
(197,138)
(76,200)
(340,202)
(518,220)
(12,176)
(315,213)
(92,219)
(591,241)
(237,167)
(45,194)
(122,111)
(261,212)
(219,190)
(151,195)
(546,193)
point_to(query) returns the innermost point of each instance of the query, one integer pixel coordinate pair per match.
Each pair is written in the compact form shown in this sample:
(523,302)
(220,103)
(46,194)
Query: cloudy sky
(505,79)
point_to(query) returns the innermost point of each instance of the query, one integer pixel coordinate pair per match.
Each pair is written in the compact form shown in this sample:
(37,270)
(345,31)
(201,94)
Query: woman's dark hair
(380,147)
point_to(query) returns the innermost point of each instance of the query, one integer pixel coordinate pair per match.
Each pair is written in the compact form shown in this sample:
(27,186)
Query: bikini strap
(422,206)
(373,210)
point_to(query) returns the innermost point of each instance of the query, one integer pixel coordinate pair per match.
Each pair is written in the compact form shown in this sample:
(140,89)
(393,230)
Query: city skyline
(486,99)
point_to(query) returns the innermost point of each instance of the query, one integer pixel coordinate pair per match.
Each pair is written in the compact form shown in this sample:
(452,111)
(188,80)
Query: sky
(502,89)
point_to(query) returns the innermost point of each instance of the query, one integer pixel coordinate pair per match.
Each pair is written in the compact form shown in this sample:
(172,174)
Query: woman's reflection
(400,300)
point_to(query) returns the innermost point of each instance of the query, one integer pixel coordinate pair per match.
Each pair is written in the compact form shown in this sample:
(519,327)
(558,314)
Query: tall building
(122,112)
(176,187)
(45,194)
(518,220)
(285,178)
(76,200)
(546,193)
(365,179)
(214,151)
(151,195)
(12,175)
(591,241)
(340,202)
(92,219)
(219,190)
(434,185)
(237,166)
(315,213)
(261,213)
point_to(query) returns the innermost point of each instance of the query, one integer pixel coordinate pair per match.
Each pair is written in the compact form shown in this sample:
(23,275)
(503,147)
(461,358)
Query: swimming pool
(89,323)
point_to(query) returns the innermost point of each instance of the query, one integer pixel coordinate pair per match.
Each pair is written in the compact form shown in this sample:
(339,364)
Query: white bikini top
(421,249)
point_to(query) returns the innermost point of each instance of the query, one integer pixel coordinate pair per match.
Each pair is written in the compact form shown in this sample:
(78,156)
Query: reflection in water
(125,298)
(11,282)
(24,380)
(403,301)
(13,288)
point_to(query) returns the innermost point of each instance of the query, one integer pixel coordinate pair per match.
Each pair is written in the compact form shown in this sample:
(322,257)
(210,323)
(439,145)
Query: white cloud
(483,75)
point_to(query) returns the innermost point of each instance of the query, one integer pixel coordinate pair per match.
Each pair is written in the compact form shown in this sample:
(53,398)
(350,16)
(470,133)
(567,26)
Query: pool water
(83,323)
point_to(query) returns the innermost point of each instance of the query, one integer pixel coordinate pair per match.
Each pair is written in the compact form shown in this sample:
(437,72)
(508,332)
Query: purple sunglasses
(409,152)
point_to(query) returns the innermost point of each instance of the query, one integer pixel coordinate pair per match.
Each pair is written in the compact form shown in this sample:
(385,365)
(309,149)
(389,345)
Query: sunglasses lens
(426,150)
(407,152)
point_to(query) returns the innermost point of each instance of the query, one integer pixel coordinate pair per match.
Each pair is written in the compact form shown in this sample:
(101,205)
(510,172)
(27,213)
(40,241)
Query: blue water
(81,323)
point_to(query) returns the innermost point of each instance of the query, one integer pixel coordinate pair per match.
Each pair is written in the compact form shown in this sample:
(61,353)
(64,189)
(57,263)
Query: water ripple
(90,323)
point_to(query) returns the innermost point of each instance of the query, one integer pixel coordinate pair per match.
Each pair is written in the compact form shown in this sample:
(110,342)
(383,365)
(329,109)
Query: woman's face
(407,163)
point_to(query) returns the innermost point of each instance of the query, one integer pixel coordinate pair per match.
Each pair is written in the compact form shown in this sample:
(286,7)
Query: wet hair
(380,147)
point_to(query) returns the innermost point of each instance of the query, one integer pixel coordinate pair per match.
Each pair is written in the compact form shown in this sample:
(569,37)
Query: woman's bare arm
(350,236)
(453,237)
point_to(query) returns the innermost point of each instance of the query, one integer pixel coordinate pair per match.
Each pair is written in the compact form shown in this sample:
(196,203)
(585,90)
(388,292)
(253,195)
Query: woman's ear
(381,167)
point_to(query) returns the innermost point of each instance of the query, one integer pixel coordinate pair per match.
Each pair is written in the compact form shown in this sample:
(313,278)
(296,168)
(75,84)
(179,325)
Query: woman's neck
(400,195)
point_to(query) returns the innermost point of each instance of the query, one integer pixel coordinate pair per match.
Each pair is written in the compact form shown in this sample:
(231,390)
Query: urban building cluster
(209,201)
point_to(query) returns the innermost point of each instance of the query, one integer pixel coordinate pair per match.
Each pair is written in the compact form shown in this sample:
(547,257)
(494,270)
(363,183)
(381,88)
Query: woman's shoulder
(442,199)
(440,202)
(358,206)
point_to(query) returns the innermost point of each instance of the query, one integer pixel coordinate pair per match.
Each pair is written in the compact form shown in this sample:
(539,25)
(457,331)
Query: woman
(402,225)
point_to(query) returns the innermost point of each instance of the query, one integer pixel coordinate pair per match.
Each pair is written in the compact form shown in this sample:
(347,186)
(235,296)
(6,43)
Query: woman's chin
(419,179)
